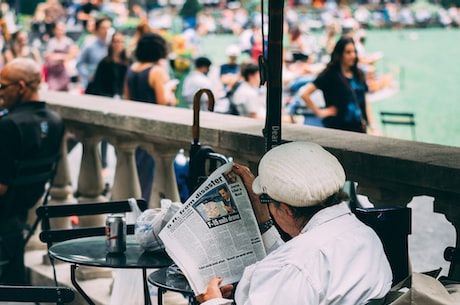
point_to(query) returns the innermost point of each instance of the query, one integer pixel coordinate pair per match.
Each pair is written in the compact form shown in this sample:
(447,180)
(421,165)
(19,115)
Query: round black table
(90,251)
(172,281)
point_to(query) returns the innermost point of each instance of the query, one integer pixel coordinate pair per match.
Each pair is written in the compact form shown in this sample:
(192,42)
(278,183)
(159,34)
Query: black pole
(272,131)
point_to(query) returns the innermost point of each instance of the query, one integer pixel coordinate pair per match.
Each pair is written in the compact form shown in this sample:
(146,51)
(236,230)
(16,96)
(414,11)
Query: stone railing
(388,171)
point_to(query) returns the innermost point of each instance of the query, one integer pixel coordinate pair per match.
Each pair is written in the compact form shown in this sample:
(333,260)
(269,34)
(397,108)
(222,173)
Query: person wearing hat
(332,258)
(230,71)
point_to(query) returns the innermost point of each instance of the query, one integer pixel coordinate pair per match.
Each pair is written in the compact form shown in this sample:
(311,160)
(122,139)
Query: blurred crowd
(69,40)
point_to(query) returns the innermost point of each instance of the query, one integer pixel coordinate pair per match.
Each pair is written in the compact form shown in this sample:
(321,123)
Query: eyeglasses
(4,86)
(265,199)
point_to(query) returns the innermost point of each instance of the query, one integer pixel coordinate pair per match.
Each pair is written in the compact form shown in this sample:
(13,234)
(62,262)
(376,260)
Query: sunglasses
(4,86)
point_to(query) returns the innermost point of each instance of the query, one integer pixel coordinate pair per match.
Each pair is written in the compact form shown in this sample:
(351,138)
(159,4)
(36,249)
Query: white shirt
(249,100)
(335,260)
(194,82)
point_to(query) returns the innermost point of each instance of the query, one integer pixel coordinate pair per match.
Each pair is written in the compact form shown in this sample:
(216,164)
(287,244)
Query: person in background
(92,53)
(297,44)
(87,10)
(49,13)
(29,131)
(196,80)
(109,78)
(230,71)
(147,81)
(19,47)
(57,57)
(344,87)
(332,258)
(111,70)
(248,98)
(142,28)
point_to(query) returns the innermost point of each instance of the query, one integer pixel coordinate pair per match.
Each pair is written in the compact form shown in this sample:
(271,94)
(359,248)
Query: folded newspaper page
(215,233)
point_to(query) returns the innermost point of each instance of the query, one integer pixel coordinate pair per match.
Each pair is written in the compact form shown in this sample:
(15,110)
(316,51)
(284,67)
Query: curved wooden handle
(196,111)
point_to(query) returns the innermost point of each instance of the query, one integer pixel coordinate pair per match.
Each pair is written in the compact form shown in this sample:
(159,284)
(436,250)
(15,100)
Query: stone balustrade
(389,171)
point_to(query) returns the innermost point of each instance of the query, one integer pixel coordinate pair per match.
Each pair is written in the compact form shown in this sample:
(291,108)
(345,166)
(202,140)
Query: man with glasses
(29,131)
(332,258)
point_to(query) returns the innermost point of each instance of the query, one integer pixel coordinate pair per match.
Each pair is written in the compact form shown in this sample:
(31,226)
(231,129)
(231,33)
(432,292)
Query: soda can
(115,233)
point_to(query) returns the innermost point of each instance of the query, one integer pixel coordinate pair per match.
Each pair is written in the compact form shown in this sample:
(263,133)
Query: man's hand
(260,210)
(214,292)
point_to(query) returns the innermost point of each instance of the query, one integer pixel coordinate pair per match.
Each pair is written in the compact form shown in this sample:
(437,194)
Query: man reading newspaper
(332,257)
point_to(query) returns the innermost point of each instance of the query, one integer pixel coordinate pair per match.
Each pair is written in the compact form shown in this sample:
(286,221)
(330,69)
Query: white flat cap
(299,174)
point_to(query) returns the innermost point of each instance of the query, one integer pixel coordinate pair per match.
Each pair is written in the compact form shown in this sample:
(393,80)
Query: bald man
(29,131)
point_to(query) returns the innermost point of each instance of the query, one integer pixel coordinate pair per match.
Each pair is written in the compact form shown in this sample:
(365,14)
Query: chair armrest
(36,294)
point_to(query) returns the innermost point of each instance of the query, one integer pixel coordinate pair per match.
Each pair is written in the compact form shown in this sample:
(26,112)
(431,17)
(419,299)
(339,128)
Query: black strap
(353,93)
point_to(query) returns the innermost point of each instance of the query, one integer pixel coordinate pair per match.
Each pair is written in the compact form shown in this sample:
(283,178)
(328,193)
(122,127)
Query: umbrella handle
(196,111)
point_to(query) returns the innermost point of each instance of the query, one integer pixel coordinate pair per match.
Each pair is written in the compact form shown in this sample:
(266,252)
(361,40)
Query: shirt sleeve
(321,81)
(269,285)
(218,301)
(82,66)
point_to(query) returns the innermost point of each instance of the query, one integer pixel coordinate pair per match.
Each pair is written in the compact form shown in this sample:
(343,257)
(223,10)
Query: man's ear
(286,209)
(22,85)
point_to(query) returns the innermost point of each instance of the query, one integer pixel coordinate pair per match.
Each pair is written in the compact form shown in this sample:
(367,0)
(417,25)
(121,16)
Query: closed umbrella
(203,159)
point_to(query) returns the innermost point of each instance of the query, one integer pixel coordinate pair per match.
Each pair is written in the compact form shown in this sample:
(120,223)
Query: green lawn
(430,64)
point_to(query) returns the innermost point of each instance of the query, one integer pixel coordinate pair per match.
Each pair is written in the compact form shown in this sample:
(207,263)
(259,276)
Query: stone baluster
(448,206)
(164,182)
(126,182)
(61,192)
(90,182)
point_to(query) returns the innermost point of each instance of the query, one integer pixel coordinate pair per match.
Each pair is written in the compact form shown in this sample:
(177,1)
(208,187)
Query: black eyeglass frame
(4,86)
(266,199)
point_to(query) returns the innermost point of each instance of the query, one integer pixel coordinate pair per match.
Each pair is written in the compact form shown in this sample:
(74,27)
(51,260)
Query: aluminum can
(115,233)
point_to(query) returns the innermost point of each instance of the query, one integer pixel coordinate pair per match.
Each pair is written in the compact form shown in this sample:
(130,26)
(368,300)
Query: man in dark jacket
(29,131)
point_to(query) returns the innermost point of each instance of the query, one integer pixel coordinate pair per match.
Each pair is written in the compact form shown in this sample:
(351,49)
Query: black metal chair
(29,173)
(399,119)
(59,295)
(392,225)
(31,180)
(50,236)
(46,212)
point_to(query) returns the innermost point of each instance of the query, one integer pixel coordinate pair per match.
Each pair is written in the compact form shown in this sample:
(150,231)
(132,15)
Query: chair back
(46,212)
(37,294)
(392,225)
(399,119)
(50,235)
(32,179)
(34,172)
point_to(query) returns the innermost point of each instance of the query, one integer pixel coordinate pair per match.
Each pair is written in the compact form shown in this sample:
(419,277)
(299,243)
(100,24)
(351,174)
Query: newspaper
(214,234)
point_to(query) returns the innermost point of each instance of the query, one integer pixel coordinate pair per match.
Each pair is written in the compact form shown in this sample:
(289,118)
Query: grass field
(430,64)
